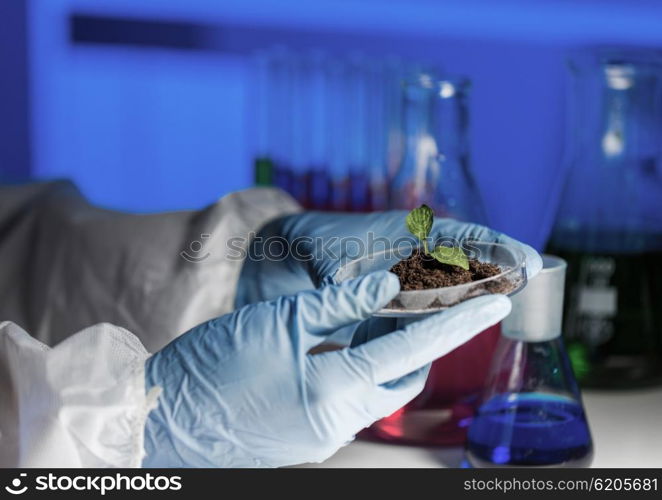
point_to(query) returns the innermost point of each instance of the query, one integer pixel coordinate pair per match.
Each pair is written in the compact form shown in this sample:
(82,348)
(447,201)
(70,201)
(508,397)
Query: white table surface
(626,428)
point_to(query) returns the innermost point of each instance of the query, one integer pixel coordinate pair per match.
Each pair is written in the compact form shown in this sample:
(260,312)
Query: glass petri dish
(510,280)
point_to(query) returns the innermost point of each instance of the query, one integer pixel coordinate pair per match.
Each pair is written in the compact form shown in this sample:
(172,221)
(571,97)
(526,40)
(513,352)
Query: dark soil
(420,272)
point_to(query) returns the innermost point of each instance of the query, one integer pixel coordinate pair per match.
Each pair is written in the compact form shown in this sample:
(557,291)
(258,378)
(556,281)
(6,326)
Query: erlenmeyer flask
(435,170)
(531,412)
(609,224)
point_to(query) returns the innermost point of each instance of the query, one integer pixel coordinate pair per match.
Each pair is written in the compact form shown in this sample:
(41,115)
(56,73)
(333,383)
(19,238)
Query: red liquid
(440,415)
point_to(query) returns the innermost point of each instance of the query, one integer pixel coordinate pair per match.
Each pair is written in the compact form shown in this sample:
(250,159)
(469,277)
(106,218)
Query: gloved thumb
(322,312)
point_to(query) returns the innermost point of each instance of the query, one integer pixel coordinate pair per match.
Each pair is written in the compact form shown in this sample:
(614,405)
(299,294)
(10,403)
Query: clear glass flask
(609,223)
(531,413)
(435,170)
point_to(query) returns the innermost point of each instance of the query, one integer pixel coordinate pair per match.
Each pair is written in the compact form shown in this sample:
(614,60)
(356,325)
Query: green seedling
(419,223)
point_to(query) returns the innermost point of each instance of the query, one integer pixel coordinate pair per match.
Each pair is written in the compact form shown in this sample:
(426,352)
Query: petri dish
(510,280)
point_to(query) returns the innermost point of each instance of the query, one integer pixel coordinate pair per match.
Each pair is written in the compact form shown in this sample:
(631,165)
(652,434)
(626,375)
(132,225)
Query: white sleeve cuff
(81,403)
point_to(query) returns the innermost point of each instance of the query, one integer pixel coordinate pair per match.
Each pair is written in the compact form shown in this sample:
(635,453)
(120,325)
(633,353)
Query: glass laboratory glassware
(302,130)
(436,170)
(356,121)
(396,73)
(377,115)
(319,188)
(531,413)
(609,222)
(338,153)
(281,120)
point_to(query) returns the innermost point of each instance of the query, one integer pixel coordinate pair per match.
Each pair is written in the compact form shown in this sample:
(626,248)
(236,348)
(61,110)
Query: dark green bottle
(613,316)
(263,171)
(609,223)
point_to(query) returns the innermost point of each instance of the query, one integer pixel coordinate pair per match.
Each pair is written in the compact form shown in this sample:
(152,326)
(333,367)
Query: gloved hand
(303,251)
(242,390)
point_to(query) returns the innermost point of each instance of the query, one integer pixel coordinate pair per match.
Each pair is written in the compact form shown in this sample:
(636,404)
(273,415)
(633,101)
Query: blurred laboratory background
(542,120)
(149,105)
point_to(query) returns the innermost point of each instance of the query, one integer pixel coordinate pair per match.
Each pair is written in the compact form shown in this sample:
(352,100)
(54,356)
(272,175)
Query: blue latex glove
(242,390)
(316,249)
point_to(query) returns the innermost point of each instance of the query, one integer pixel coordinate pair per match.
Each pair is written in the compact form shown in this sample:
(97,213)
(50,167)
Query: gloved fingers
(318,313)
(264,280)
(384,399)
(409,381)
(372,328)
(396,354)
(332,238)
(461,231)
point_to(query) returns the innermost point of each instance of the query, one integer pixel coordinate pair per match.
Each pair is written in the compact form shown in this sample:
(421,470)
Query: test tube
(281,128)
(356,118)
(394,77)
(338,136)
(301,131)
(377,135)
(319,189)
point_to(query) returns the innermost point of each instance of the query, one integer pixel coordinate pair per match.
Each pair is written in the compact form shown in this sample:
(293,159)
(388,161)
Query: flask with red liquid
(435,169)
(441,413)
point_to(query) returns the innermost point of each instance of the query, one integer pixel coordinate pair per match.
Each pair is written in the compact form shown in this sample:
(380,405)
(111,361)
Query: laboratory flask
(435,167)
(531,413)
(435,170)
(609,222)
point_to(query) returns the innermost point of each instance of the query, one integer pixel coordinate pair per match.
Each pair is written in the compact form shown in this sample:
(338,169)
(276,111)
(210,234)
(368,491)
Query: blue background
(153,128)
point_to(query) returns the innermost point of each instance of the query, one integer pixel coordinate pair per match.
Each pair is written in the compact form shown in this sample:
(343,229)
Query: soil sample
(421,272)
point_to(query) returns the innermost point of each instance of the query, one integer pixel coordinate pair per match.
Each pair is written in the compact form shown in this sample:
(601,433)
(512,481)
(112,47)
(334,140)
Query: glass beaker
(435,170)
(609,224)
(531,413)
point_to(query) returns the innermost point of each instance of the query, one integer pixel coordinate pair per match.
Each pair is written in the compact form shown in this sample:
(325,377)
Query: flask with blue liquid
(531,412)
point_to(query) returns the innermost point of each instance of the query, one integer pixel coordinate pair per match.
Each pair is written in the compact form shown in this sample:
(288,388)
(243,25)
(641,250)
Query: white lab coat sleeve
(67,266)
(81,403)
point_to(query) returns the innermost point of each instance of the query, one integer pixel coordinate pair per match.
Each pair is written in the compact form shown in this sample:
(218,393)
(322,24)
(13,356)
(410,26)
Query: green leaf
(419,223)
(453,256)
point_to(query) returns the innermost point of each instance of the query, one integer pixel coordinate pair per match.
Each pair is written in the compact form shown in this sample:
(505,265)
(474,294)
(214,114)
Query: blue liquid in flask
(529,429)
